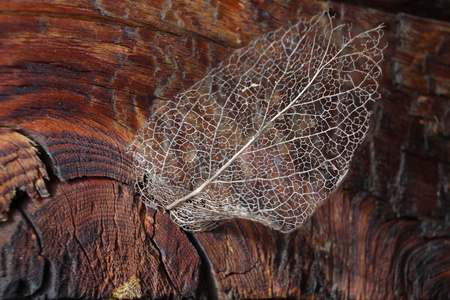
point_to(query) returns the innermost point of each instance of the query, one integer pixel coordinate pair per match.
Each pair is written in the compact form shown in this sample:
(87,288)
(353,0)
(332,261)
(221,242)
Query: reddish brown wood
(89,238)
(78,80)
(22,170)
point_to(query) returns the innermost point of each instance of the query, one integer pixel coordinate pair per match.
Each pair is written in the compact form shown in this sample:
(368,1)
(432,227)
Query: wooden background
(77,80)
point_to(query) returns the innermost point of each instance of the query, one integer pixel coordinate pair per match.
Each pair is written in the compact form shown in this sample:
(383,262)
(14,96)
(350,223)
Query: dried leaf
(268,134)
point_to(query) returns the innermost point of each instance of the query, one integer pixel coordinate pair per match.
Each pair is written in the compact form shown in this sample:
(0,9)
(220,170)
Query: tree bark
(77,81)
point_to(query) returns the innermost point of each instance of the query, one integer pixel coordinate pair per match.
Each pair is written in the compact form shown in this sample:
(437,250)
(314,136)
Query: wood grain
(78,80)
(21,170)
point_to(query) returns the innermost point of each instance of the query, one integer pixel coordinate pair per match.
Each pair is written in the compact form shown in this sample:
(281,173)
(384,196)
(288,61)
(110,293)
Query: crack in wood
(161,261)
(211,283)
(46,272)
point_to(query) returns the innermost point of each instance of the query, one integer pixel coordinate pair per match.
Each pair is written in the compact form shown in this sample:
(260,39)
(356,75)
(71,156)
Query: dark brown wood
(78,80)
(436,9)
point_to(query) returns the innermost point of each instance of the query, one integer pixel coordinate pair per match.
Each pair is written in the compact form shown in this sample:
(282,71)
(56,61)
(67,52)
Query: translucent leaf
(268,134)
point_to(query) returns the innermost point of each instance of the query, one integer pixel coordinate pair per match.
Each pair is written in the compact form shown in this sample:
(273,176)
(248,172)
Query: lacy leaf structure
(268,134)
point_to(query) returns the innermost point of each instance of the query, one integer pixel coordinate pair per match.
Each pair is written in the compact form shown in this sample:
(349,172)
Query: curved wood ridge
(22,170)
(78,80)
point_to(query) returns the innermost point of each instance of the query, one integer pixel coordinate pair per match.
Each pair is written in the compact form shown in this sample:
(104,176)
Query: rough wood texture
(77,81)
(22,170)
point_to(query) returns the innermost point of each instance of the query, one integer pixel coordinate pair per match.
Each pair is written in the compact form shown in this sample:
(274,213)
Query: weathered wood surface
(77,81)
